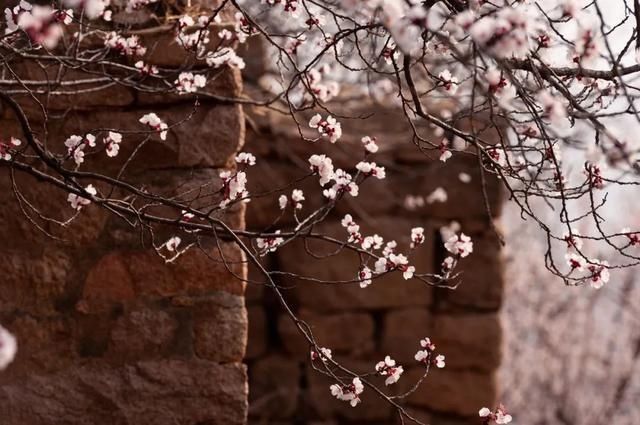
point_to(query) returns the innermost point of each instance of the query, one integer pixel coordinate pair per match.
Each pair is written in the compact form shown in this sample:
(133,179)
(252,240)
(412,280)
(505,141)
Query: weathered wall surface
(108,333)
(361,326)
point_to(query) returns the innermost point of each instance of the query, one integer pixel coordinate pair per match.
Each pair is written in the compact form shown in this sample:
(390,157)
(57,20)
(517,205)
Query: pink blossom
(78,201)
(153,121)
(349,392)
(172,243)
(112,143)
(8,348)
(459,245)
(388,368)
(417,236)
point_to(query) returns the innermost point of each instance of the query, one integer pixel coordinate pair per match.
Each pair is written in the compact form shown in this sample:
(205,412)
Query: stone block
(142,334)
(458,392)
(258,340)
(108,285)
(482,278)
(45,345)
(402,331)
(35,285)
(274,389)
(24,224)
(349,332)
(220,327)
(163,392)
(464,200)
(458,335)
(193,273)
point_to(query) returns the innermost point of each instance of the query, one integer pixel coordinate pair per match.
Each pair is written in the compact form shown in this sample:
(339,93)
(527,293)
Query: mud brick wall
(107,332)
(361,326)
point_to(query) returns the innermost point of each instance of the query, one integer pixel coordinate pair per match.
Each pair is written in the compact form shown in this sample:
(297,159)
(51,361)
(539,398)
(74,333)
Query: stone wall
(107,332)
(361,326)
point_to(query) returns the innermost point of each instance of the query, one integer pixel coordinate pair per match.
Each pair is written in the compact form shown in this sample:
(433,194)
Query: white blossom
(79,201)
(153,121)
(8,348)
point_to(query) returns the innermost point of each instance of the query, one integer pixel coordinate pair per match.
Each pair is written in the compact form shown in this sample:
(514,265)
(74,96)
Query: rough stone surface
(142,333)
(350,333)
(456,392)
(274,388)
(257,339)
(220,328)
(108,331)
(158,392)
(459,335)
(402,331)
(482,278)
(193,274)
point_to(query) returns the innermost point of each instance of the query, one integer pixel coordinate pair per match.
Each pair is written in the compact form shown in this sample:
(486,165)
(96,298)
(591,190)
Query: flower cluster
(323,166)
(77,144)
(370,144)
(297,196)
(78,201)
(328,127)
(224,56)
(499,416)
(193,34)
(7,147)
(188,82)
(324,91)
(349,392)
(371,169)
(42,24)
(324,354)
(153,121)
(388,368)
(233,187)
(146,69)
(269,244)
(427,354)
(126,46)
(112,143)
(417,236)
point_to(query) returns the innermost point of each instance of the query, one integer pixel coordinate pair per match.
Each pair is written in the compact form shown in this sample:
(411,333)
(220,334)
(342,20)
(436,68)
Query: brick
(458,392)
(351,333)
(482,278)
(19,232)
(464,200)
(142,334)
(45,345)
(402,331)
(108,285)
(34,285)
(193,273)
(162,392)
(458,335)
(274,389)
(211,136)
(258,339)
(220,327)
(272,174)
